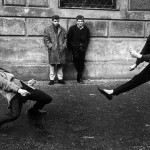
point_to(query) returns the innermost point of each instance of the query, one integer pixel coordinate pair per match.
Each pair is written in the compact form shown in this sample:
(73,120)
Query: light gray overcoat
(56,44)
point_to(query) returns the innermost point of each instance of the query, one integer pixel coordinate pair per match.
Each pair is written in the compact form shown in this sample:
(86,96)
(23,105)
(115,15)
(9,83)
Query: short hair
(55,17)
(79,17)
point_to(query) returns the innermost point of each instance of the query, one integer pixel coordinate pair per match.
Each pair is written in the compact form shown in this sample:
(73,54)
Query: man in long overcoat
(55,40)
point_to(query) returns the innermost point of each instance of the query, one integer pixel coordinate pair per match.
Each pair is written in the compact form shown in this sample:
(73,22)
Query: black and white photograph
(74,74)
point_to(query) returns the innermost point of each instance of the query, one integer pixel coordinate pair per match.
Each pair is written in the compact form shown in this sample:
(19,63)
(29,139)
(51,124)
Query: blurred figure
(16,93)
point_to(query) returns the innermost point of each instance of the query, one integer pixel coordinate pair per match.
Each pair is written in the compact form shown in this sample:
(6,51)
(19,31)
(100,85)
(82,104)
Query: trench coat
(56,44)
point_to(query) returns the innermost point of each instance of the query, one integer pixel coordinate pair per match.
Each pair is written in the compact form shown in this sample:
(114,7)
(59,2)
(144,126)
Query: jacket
(56,44)
(78,39)
(9,85)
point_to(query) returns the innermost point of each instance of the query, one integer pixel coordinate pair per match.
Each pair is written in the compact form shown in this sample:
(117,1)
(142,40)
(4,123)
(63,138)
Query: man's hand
(31,82)
(23,92)
(132,67)
(134,54)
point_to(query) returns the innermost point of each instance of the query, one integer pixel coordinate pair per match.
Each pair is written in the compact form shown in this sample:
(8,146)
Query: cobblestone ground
(80,118)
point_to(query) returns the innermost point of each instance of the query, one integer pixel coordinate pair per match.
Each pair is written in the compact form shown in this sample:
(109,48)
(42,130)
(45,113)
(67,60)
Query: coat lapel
(59,30)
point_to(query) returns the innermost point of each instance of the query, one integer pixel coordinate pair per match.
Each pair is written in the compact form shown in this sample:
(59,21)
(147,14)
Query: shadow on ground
(80,118)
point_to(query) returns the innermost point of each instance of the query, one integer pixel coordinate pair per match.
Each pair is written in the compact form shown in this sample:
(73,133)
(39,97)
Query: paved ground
(80,118)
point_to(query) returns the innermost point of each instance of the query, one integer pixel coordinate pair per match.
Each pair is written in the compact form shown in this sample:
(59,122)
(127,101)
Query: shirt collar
(80,27)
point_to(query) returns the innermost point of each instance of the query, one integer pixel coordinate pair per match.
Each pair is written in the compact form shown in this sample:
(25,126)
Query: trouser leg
(15,110)
(52,72)
(60,71)
(79,59)
(137,80)
(81,64)
(40,97)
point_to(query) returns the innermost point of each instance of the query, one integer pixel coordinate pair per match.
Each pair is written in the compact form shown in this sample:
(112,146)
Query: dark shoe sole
(51,83)
(108,96)
(61,82)
(34,112)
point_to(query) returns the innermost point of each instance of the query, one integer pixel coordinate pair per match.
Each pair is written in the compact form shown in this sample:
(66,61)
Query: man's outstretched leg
(142,77)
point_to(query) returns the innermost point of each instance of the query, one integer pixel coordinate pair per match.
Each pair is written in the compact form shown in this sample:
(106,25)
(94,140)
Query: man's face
(56,22)
(80,23)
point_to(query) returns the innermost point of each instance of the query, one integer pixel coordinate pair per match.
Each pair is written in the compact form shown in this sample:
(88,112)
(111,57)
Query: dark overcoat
(56,44)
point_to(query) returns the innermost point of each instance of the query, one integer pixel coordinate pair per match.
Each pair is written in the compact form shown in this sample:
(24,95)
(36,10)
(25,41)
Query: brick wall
(113,34)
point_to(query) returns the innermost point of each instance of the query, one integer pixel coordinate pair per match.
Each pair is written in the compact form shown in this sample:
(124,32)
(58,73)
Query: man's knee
(14,116)
(48,99)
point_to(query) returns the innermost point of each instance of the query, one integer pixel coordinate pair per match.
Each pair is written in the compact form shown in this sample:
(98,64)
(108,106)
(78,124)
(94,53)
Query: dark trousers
(16,103)
(145,50)
(78,60)
(142,77)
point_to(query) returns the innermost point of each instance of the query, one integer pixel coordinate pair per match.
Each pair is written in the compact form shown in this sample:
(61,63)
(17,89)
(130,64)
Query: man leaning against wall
(55,40)
(78,38)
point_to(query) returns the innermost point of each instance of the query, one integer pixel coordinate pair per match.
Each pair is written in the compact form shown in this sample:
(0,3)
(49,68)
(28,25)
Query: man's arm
(47,40)
(145,50)
(11,87)
(8,86)
(88,37)
(64,44)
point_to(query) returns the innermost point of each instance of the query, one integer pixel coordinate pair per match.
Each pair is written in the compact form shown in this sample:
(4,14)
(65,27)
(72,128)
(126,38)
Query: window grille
(91,4)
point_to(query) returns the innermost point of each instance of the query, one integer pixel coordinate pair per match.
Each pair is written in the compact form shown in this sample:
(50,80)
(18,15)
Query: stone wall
(113,34)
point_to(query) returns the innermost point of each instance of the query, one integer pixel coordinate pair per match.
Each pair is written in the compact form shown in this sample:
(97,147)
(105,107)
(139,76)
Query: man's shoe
(33,111)
(51,82)
(80,81)
(108,96)
(61,82)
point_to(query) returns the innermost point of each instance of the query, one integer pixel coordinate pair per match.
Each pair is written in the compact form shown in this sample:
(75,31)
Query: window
(88,4)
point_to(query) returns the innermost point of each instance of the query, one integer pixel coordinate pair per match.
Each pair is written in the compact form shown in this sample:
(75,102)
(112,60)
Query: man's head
(55,20)
(80,20)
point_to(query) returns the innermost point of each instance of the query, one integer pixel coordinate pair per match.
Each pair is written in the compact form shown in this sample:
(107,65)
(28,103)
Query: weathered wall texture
(113,34)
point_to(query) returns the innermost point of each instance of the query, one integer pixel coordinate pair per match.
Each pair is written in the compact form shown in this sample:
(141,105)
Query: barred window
(88,4)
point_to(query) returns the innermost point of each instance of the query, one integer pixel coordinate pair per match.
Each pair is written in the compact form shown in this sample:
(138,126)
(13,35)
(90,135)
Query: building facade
(116,26)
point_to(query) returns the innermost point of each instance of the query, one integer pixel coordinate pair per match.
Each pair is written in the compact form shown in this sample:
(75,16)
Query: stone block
(12,26)
(139,5)
(96,27)
(126,29)
(36,26)
(147,29)
(40,3)
(23,51)
(15,2)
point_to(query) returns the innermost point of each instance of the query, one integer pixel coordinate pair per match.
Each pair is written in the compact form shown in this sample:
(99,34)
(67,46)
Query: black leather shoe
(108,96)
(33,111)
(51,82)
(61,82)
(80,81)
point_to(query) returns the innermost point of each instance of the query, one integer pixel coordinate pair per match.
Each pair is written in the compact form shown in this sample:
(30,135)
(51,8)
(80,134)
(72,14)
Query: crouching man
(16,93)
